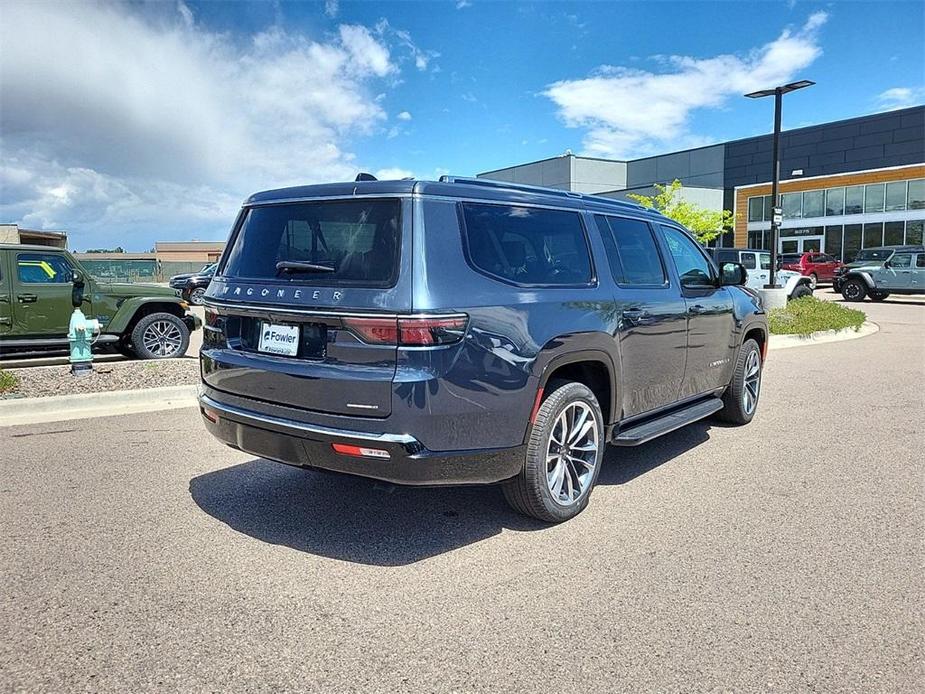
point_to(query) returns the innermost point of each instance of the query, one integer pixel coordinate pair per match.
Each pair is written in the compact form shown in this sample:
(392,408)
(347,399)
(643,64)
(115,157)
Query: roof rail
(492,183)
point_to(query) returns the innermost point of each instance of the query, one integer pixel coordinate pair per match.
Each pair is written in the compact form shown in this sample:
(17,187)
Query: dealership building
(845,185)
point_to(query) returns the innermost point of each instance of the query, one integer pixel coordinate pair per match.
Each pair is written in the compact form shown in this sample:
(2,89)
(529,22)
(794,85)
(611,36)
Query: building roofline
(832,175)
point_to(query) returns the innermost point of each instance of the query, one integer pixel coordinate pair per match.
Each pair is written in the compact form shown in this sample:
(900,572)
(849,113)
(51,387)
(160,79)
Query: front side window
(43,268)
(631,248)
(693,267)
(353,243)
(527,245)
(813,203)
(901,260)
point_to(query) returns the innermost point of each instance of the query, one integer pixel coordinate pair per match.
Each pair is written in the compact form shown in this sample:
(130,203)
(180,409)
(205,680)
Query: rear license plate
(279,339)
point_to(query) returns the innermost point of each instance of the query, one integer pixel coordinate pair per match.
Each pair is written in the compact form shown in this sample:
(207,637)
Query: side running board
(653,428)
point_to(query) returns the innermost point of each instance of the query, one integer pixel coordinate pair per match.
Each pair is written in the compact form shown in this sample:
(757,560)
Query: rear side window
(43,268)
(748,260)
(632,251)
(527,245)
(327,242)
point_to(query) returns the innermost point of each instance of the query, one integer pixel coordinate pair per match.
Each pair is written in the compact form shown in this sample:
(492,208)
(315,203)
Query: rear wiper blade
(299,266)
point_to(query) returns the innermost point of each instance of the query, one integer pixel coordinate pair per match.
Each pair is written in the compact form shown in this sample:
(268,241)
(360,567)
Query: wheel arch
(133,310)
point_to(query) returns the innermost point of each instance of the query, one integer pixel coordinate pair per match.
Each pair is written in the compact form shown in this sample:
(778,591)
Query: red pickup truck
(819,267)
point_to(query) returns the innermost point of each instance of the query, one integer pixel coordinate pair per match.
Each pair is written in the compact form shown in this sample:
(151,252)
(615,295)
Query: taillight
(418,331)
(213,334)
(359,451)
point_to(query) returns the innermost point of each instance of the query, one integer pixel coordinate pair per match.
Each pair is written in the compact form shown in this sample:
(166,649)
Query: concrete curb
(105,404)
(823,336)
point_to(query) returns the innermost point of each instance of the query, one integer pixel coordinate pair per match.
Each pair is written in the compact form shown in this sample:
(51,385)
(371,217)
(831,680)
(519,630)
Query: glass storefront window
(895,196)
(755,209)
(768,208)
(813,203)
(915,199)
(756,239)
(873,197)
(792,204)
(852,242)
(914,229)
(834,202)
(893,233)
(854,199)
(873,235)
(833,241)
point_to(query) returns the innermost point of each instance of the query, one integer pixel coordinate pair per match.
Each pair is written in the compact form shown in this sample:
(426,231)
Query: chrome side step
(653,428)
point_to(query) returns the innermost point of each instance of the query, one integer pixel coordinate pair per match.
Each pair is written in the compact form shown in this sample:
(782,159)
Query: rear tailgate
(289,313)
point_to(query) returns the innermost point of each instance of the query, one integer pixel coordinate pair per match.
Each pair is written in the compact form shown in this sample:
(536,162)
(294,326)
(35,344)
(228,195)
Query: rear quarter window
(352,242)
(527,245)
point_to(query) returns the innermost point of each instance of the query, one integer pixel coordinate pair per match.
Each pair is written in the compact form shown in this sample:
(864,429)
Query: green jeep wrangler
(36,288)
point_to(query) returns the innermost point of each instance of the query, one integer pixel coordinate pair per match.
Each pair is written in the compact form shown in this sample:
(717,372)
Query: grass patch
(8,381)
(809,315)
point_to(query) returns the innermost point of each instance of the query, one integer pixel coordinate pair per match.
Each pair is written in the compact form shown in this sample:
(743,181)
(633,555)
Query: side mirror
(77,290)
(732,274)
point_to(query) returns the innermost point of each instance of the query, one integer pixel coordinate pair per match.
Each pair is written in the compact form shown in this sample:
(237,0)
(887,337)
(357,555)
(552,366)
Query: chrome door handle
(635,316)
(696,309)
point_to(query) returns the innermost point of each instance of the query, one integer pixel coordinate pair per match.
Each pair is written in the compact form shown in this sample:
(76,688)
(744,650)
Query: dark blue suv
(469,331)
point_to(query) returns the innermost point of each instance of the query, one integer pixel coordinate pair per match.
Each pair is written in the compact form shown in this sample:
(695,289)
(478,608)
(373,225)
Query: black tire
(878,296)
(854,290)
(196,296)
(800,291)
(174,344)
(124,347)
(734,409)
(529,493)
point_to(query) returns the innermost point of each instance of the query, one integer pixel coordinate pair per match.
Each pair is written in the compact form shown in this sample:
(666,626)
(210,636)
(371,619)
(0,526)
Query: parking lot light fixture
(777,93)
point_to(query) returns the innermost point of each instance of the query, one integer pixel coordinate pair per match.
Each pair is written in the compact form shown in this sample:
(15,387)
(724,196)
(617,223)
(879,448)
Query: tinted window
(43,268)
(920,260)
(854,199)
(527,245)
(748,260)
(835,201)
(895,196)
(693,267)
(873,198)
(852,241)
(357,241)
(727,256)
(915,199)
(790,258)
(914,229)
(635,257)
(893,233)
(755,209)
(813,203)
(873,235)
(833,241)
(792,204)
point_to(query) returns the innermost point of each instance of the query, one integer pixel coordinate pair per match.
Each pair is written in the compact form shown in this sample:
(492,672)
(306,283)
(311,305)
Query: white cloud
(404,115)
(166,126)
(422,58)
(463,4)
(630,112)
(393,174)
(331,7)
(900,97)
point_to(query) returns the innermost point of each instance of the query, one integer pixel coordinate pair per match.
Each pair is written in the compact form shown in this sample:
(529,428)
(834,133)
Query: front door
(41,294)
(898,275)
(711,326)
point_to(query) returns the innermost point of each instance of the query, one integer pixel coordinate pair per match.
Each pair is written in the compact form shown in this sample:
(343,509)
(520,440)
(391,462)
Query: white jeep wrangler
(758,264)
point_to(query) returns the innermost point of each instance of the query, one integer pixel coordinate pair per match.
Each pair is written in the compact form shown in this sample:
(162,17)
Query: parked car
(36,287)
(879,272)
(757,263)
(469,331)
(192,286)
(818,267)
(868,256)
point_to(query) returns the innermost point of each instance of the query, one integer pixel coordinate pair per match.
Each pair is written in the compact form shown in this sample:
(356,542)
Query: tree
(705,224)
(117,249)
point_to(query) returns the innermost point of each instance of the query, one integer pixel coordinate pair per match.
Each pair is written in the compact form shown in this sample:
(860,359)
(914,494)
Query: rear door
(918,273)
(6,297)
(304,308)
(711,330)
(41,282)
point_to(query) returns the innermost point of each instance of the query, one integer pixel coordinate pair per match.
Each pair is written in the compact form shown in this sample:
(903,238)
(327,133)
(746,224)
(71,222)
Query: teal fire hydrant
(80,337)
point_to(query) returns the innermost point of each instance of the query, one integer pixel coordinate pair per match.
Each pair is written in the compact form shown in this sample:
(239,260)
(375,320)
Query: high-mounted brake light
(419,331)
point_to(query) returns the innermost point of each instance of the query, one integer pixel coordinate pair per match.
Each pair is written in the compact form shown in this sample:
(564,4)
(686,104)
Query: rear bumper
(306,445)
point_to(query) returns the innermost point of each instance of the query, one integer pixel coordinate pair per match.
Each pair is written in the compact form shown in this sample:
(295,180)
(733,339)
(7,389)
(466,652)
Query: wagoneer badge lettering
(293,294)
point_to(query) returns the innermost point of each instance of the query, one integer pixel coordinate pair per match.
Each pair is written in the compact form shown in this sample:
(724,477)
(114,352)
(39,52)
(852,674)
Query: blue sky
(126,123)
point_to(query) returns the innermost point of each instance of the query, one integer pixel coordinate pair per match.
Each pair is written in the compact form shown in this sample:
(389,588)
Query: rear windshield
(349,242)
(791,258)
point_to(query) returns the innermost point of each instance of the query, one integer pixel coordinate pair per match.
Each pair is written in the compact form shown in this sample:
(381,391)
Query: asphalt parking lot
(139,554)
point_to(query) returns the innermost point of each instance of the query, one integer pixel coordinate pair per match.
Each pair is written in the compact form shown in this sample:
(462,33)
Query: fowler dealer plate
(279,339)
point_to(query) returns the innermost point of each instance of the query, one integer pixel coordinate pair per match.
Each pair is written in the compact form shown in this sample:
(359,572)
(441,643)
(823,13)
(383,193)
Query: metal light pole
(777,212)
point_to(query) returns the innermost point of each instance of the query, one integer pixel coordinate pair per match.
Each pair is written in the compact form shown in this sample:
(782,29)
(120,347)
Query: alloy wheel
(752,382)
(197,296)
(571,454)
(162,338)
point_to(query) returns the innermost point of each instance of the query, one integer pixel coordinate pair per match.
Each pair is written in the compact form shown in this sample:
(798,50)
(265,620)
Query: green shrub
(8,381)
(809,315)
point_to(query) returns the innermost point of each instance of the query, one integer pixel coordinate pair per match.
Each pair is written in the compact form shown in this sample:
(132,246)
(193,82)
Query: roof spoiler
(363,176)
